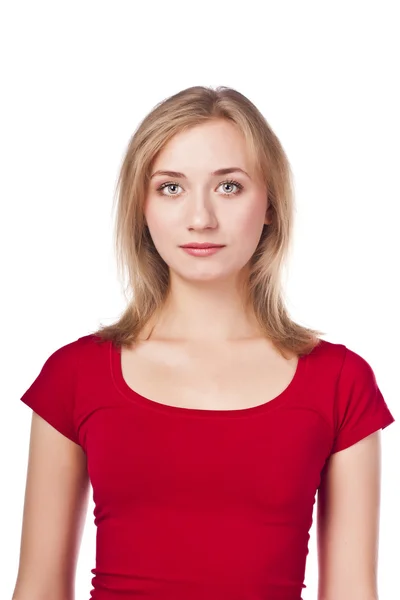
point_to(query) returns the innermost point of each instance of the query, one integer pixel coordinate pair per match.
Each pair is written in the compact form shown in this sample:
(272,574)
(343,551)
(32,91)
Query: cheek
(159,220)
(163,228)
(249,224)
(246,232)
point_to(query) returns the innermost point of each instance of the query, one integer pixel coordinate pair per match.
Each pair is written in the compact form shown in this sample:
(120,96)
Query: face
(196,205)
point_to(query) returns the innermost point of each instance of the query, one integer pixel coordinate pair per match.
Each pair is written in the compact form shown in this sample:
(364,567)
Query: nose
(200,212)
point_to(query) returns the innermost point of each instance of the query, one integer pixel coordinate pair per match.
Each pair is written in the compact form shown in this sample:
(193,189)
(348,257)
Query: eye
(230,183)
(167,185)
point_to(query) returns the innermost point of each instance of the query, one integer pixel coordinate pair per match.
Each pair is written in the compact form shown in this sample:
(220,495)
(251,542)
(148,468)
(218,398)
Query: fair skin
(206,350)
(348,522)
(55,508)
(205,291)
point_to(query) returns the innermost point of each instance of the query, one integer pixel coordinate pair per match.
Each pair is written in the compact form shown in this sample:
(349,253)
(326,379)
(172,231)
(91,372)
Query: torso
(214,376)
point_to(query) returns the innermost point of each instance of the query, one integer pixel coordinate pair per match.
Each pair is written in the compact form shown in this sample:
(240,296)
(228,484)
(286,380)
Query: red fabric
(201,504)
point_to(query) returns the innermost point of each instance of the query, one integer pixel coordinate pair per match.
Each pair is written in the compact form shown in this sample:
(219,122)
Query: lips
(202,245)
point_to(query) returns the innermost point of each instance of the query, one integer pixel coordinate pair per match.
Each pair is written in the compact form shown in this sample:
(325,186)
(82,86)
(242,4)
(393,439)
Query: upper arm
(348,522)
(55,506)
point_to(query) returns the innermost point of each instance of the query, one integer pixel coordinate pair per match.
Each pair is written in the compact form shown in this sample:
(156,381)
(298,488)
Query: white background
(77,77)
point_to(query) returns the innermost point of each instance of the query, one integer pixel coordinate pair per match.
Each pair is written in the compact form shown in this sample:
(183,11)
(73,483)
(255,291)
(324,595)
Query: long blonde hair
(148,274)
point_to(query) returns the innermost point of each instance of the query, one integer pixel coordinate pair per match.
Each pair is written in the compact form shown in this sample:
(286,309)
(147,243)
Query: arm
(348,522)
(55,507)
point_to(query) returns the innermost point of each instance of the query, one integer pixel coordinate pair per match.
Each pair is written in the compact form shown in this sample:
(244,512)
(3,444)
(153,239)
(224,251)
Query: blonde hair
(148,274)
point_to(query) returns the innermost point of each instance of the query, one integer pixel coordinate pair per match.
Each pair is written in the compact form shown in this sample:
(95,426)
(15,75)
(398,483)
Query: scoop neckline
(123,388)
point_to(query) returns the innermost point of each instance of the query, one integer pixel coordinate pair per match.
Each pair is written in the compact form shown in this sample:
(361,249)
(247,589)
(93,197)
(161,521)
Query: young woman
(205,419)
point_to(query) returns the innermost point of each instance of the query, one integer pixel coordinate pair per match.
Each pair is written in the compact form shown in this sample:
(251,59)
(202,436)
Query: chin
(206,275)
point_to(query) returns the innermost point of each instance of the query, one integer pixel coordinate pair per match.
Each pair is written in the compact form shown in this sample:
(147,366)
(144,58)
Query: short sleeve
(360,407)
(52,393)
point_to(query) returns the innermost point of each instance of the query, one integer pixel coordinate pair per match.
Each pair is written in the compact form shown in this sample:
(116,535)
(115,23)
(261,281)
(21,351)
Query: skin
(204,306)
(205,292)
(55,508)
(348,512)
(205,311)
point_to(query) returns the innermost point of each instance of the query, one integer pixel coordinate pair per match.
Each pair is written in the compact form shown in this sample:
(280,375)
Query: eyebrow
(217,172)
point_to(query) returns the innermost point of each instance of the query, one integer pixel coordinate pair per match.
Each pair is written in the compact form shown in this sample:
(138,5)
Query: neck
(205,311)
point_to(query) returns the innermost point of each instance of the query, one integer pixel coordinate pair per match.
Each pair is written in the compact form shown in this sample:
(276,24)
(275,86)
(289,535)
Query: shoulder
(359,408)
(342,387)
(343,360)
(53,389)
(354,373)
(70,353)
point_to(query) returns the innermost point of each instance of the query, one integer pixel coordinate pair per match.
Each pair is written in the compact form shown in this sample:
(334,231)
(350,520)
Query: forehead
(205,147)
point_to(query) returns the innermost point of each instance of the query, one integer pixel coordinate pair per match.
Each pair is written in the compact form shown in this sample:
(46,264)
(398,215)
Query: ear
(268,217)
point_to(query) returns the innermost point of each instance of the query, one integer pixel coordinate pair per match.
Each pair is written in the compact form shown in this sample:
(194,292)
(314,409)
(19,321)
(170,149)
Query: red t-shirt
(195,504)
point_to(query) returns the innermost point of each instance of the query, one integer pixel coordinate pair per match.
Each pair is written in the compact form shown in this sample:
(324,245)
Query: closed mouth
(199,246)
